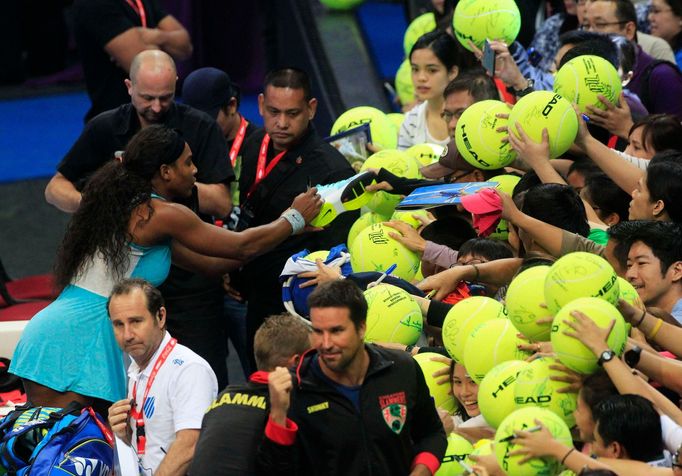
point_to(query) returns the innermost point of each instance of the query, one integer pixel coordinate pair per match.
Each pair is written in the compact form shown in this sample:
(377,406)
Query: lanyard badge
(137,413)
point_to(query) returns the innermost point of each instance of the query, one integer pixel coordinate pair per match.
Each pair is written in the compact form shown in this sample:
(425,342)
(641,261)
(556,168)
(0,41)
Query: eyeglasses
(597,26)
(447,116)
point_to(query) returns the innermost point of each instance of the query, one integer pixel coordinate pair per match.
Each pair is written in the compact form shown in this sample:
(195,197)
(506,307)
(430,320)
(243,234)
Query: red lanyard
(139,9)
(261,170)
(239,138)
(138,412)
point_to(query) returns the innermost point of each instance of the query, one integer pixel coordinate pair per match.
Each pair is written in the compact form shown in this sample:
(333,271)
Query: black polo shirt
(96,23)
(310,161)
(110,132)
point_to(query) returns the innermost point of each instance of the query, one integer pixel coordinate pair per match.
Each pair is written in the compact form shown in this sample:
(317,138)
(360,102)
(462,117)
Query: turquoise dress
(70,345)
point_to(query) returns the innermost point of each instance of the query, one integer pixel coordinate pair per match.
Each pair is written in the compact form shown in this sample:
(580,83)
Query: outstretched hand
(615,118)
(443,283)
(526,148)
(407,236)
(590,334)
(323,274)
(308,204)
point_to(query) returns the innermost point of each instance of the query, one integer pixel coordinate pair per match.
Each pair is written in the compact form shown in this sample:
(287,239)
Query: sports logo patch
(394,410)
(148,407)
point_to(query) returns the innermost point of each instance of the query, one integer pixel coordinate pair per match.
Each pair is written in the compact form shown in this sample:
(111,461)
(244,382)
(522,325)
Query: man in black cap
(211,90)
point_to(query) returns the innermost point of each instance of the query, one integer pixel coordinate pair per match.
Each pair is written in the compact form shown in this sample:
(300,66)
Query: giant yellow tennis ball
(584,78)
(629,294)
(392,315)
(477,138)
(478,20)
(482,447)
(496,391)
(546,110)
(523,420)
(404,87)
(489,344)
(463,317)
(365,220)
(524,296)
(341,4)
(374,250)
(380,128)
(407,217)
(579,274)
(535,388)
(458,449)
(425,154)
(441,393)
(573,353)
(419,26)
(398,163)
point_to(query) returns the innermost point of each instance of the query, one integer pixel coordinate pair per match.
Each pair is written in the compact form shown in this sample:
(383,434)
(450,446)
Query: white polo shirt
(184,387)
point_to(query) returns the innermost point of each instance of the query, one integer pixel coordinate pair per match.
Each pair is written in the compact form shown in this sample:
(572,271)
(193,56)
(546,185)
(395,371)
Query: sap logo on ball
(533,400)
(510,380)
(355,123)
(378,238)
(467,144)
(607,287)
(550,105)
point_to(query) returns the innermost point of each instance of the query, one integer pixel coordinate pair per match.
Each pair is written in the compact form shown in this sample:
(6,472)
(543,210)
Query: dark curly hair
(100,225)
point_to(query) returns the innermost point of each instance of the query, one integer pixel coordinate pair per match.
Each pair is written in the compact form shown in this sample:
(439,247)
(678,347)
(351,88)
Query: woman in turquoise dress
(128,226)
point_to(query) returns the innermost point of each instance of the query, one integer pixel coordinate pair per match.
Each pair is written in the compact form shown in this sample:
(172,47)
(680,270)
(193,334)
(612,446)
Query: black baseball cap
(208,89)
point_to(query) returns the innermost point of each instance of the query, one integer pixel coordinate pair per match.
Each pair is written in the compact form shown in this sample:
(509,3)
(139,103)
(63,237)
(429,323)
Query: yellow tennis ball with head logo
(441,393)
(582,79)
(577,275)
(458,449)
(524,419)
(396,119)
(478,20)
(477,138)
(463,318)
(380,128)
(489,344)
(374,250)
(545,110)
(496,391)
(524,297)
(573,353)
(392,315)
(535,388)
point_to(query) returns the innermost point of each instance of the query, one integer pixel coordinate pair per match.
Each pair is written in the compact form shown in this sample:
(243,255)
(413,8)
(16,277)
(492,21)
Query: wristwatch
(527,90)
(606,356)
(632,356)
